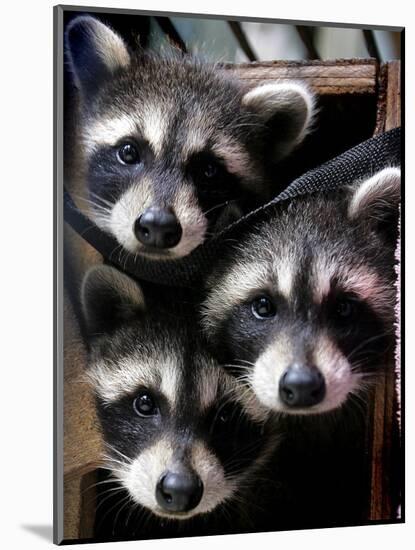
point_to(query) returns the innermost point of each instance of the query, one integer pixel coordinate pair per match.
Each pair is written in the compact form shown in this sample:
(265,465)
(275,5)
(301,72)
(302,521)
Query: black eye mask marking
(344,308)
(133,422)
(108,178)
(113,169)
(356,328)
(206,168)
(214,185)
(252,326)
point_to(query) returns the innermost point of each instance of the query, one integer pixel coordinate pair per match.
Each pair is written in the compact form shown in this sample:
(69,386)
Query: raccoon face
(305,313)
(179,437)
(173,149)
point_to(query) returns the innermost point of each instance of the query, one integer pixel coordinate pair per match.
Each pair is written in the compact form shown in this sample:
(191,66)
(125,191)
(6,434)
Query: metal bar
(170,31)
(307,36)
(242,40)
(371,45)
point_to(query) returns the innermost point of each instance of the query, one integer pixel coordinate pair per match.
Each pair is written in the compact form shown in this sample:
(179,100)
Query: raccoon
(170,149)
(181,436)
(303,311)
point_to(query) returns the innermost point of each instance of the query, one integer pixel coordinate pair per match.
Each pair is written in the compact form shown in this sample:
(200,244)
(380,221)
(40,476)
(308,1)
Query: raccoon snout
(179,492)
(302,386)
(158,228)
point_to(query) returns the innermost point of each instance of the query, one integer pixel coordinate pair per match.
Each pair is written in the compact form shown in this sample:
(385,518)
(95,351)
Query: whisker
(127,502)
(367,341)
(118,503)
(118,452)
(106,207)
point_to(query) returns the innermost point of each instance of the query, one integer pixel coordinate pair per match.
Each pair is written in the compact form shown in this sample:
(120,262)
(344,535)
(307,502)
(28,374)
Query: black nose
(158,228)
(180,492)
(302,386)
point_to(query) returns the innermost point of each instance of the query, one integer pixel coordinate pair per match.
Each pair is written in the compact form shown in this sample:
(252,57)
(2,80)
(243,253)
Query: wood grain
(82,438)
(349,76)
(383,418)
(381,502)
(393,96)
(79,506)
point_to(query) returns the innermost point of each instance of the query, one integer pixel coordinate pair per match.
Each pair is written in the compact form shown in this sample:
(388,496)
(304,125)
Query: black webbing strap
(359,162)
(86,228)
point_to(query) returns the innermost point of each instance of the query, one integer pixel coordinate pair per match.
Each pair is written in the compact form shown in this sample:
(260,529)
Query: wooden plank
(380,502)
(79,507)
(383,420)
(381,99)
(82,438)
(393,96)
(325,77)
(88,505)
(71,508)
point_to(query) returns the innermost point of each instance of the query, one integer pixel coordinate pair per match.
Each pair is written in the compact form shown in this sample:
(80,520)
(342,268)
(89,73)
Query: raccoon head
(305,308)
(179,436)
(171,149)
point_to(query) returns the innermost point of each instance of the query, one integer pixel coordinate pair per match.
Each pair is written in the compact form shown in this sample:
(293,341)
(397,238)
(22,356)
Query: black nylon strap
(359,162)
(86,228)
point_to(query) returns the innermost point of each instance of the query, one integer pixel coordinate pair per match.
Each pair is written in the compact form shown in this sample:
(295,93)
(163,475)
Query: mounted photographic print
(228,212)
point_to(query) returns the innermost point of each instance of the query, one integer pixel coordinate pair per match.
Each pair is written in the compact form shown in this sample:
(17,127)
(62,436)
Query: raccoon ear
(109,297)
(287,109)
(95,52)
(377,199)
(376,196)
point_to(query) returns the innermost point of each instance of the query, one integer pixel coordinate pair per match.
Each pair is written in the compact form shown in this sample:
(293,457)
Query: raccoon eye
(205,167)
(128,154)
(345,308)
(210,170)
(224,414)
(145,405)
(263,308)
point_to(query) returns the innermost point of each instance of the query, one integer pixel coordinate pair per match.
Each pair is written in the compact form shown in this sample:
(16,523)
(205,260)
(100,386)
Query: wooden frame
(383,434)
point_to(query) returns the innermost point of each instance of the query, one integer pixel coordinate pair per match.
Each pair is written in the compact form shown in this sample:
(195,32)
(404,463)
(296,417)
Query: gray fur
(314,251)
(164,355)
(177,108)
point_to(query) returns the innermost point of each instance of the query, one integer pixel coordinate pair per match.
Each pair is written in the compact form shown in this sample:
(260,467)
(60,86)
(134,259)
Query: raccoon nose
(302,386)
(179,492)
(158,227)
